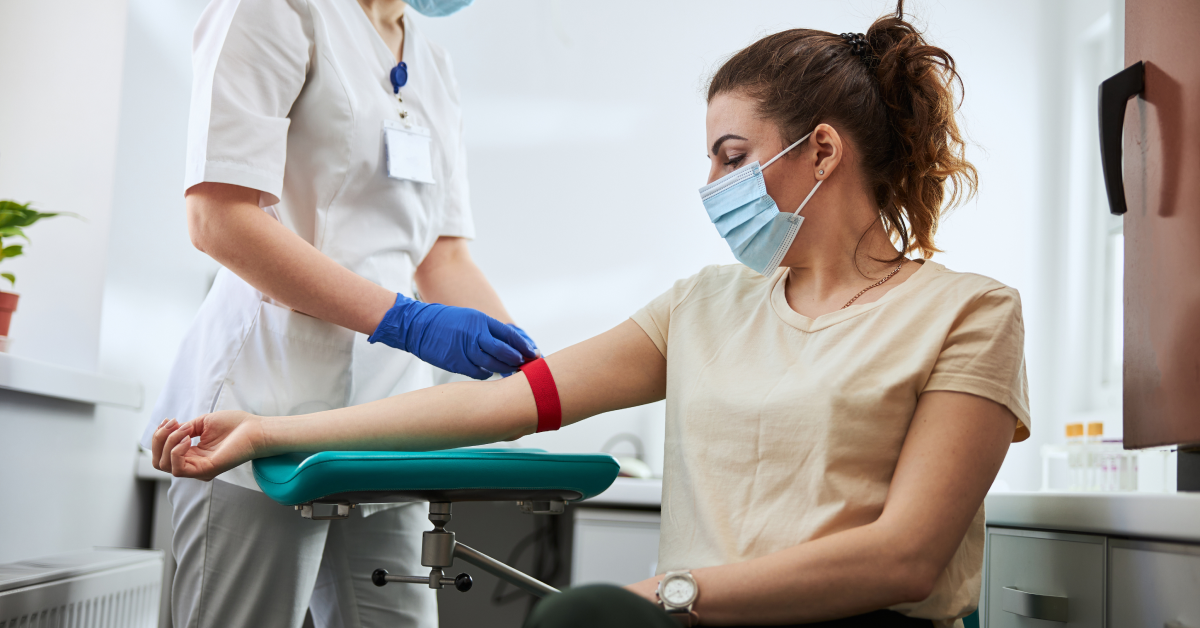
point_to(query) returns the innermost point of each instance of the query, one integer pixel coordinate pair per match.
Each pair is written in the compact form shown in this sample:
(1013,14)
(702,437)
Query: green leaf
(10,277)
(13,232)
(10,251)
(14,214)
(18,216)
(10,206)
(11,212)
(26,218)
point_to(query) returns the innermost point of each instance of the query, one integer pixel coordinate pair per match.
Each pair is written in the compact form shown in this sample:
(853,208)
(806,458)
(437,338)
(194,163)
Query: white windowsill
(51,380)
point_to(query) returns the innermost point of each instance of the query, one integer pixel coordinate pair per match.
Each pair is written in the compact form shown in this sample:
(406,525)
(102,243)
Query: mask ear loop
(810,194)
(785,151)
(781,154)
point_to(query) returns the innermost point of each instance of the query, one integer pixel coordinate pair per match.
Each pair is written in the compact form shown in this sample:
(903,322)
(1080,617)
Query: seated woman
(835,411)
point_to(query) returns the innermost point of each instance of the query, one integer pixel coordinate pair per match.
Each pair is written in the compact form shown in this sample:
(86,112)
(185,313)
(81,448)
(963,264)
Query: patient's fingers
(154,448)
(160,436)
(179,468)
(184,432)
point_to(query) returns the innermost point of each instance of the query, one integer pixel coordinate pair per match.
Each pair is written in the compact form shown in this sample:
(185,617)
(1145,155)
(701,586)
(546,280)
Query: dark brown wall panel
(1162,227)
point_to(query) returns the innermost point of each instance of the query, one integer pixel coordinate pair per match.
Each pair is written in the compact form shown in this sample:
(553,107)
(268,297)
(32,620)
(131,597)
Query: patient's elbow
(915,579)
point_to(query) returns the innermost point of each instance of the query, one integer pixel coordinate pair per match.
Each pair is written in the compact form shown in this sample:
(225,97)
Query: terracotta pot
(8,305)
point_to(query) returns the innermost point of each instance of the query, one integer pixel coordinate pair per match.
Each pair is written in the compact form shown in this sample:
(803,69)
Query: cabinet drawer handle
(1026,604)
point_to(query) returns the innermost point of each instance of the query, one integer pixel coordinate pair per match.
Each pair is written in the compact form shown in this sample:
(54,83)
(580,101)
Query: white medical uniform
(289,98)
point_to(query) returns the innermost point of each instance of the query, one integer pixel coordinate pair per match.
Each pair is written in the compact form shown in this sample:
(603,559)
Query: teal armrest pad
(450,475)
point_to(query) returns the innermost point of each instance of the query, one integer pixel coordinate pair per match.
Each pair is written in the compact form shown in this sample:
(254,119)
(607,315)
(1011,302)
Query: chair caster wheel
(462,582)
(379,577)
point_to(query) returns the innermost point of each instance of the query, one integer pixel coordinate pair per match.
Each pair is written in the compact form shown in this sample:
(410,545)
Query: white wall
(155,279)
(61,80)
(66,469)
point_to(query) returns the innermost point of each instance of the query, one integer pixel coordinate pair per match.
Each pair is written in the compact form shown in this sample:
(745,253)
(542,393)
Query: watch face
(678,591)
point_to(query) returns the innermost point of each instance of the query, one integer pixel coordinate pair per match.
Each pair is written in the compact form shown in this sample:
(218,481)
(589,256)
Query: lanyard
(399,77)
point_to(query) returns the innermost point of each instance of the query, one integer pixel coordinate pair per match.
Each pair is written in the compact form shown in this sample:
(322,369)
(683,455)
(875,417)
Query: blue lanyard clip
(399,76)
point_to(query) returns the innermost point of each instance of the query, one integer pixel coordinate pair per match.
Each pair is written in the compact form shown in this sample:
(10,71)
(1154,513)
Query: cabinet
(1153,584)
(614,546)
(1040,578)
(1037,578)
(1121,560)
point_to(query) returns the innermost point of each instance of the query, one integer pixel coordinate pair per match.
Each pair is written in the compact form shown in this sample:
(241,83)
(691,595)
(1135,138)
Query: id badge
(408,151)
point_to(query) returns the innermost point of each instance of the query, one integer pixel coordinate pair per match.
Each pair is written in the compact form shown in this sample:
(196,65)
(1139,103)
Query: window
(1093,286)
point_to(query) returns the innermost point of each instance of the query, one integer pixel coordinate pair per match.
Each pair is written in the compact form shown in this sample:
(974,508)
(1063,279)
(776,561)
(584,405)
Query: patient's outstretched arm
(617,369)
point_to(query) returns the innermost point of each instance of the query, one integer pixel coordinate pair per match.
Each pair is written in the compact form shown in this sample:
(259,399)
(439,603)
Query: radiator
(100,588)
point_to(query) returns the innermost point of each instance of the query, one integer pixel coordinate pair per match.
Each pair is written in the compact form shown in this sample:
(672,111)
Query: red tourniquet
(545,395)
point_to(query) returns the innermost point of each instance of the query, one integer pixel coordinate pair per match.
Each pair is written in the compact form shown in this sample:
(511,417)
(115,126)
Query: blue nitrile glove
(537,352)
(457,339)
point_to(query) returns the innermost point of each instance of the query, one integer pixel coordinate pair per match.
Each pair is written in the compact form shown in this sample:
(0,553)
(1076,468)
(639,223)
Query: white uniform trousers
(245,560)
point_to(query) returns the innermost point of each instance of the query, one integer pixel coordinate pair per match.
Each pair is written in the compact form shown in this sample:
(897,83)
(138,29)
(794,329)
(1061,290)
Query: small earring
(820,172)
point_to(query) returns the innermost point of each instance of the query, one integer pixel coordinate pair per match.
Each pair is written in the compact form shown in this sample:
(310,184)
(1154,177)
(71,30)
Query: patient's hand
(227,439)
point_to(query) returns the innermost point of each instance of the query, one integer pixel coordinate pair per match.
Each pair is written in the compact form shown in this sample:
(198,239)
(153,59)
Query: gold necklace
(876,284)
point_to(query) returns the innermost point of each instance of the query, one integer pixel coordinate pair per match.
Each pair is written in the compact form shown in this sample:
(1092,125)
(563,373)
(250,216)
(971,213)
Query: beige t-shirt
(782,429)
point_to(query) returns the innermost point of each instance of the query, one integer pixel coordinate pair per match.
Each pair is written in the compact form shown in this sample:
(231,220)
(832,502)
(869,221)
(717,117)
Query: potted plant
(14,217)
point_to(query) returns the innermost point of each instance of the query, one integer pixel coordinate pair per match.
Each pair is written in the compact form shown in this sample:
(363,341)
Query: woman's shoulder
(968,288)
(725,278)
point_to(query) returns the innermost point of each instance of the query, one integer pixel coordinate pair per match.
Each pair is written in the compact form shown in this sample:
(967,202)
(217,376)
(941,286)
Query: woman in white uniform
(331,187)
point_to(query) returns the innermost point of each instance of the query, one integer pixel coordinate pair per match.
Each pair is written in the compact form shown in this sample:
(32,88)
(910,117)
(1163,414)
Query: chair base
(439,548)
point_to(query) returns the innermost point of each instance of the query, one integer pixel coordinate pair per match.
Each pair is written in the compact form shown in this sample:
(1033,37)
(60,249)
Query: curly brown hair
(893,97)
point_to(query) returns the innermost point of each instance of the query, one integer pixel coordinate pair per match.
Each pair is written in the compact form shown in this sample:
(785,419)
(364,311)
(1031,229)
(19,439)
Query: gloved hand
(458,339)
(524,335)
(537,352)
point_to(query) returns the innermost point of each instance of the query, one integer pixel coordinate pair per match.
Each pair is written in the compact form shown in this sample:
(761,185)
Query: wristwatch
(677,594)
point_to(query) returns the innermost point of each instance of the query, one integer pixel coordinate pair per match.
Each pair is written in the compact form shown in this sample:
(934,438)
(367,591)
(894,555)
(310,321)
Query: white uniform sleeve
(457,219)
(249,63)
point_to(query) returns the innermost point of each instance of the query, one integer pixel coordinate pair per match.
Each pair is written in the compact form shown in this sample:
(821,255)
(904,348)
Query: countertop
(1167,516)
(51,380)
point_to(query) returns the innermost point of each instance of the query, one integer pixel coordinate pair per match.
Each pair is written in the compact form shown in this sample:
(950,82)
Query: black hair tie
(858,45)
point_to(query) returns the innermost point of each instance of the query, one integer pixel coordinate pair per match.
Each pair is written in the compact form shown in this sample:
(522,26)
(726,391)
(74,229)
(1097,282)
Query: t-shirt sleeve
(250,59)
(984,355)
(456,219)
(655,317)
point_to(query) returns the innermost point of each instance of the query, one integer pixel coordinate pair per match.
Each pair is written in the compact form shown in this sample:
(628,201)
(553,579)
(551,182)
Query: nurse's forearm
(449,276)
(225,222)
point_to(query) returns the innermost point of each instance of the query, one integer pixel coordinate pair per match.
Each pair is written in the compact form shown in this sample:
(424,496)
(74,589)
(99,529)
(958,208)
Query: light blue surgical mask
(749,220)
(438,8)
